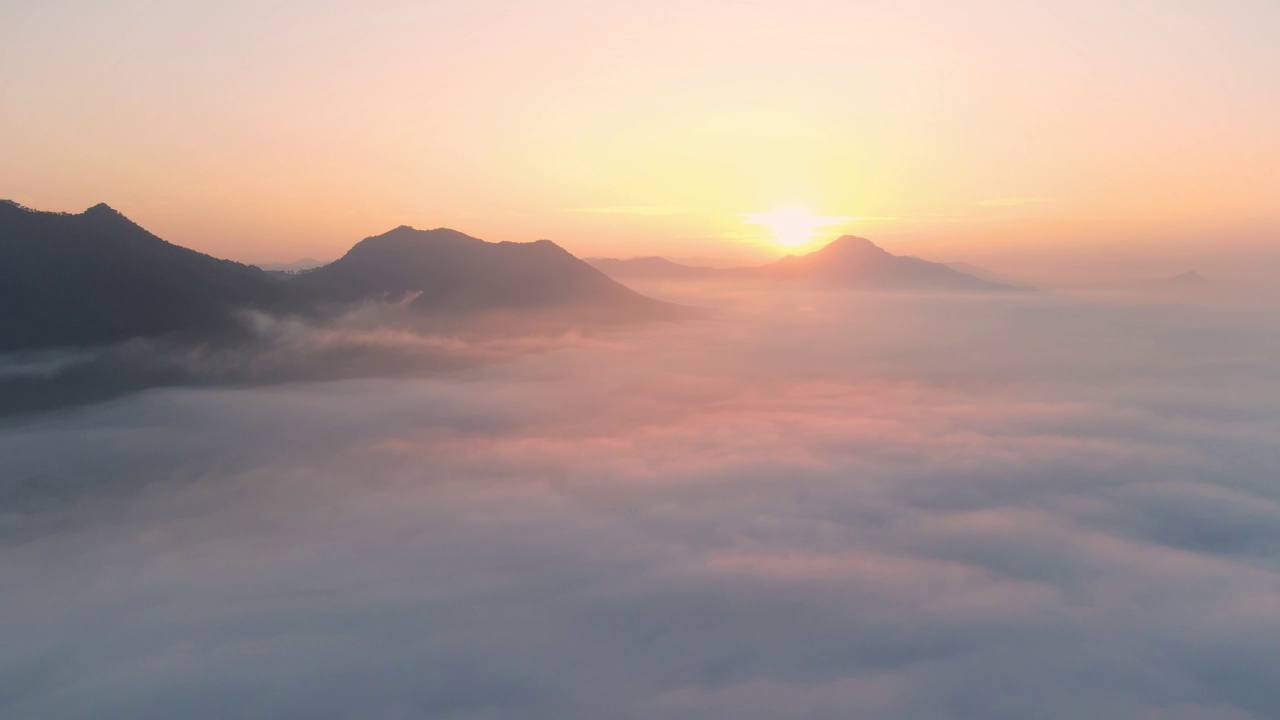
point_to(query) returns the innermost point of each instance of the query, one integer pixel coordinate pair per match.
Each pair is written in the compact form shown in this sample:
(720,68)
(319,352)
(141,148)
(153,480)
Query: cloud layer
(817,506)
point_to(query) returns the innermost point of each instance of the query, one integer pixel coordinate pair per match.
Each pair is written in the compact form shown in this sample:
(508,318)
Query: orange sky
(267,131)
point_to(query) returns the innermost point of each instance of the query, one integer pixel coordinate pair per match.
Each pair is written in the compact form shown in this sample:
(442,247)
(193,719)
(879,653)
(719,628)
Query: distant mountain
(445,270)
(1191,278)
(649,268)
(984,274)
(713,262)
(301,265)
(96,277)
(857,262)
(849,261)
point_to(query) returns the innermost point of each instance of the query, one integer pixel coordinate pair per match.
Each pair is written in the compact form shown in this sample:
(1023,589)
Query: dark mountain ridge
(97,277)
(447,270)
(78,280)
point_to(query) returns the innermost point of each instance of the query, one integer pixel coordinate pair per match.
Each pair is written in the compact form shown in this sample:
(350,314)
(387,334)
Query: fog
(804,504)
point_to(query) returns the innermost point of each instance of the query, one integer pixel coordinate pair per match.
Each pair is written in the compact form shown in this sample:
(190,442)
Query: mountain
(854,261)
(849,261)
(96,277)
(1191,278)
(446,271)
(857,262)
(649,268)
(297,266)
(984,274)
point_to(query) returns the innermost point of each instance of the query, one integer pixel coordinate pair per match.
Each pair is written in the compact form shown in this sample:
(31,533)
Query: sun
(793,225)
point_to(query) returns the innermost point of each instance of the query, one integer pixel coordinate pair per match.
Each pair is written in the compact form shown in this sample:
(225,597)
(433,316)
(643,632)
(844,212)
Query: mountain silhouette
(649,268)
(445,270)
(984,274)
(1190,278)
(857,262)
(847,261)
(282,269)
(96,277)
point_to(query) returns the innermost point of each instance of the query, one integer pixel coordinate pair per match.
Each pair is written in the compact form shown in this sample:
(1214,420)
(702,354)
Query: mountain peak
(104,217)
(851,245)
(852,241)
(447,270)
(95,277)
(410,231)
(102,210)
(410,239)
(856,261)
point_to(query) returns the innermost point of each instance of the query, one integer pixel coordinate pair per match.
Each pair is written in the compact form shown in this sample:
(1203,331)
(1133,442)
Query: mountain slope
(1190,278)
(849,261)
(96,277)
(649,268)
(990,276)
(446,270)
(858,262)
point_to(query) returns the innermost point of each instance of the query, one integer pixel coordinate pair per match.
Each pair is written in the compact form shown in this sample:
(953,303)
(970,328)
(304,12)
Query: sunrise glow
(621,129)
(793,226)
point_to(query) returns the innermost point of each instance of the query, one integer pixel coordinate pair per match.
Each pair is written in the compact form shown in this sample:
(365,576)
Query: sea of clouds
(805,505)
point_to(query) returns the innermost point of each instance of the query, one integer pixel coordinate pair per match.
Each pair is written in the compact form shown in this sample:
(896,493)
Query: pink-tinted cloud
(895,508)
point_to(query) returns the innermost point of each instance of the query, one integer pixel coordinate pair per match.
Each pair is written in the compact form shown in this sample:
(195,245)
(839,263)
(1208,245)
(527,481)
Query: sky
(270,131)
(812,504)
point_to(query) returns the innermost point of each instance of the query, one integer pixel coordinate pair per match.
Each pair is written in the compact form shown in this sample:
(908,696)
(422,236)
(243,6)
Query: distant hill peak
(407,238)
(852,243)
(848,260)
(856,261)
(103,209)
(99,210)
(105,217)
(652,267)
(850,248)
(410,231)
(447,270)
